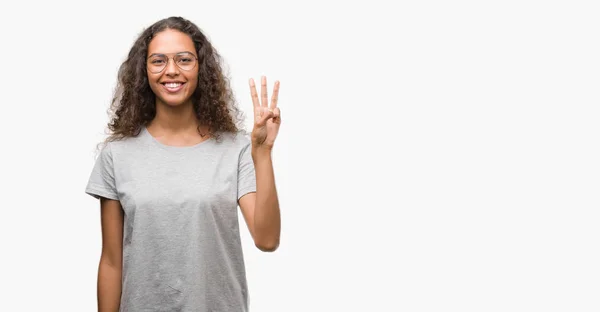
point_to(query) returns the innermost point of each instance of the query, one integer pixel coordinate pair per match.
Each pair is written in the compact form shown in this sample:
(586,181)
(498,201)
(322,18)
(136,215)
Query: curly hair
(133,103)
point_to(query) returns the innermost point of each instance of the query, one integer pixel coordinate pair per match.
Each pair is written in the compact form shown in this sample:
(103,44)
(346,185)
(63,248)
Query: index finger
(253,93)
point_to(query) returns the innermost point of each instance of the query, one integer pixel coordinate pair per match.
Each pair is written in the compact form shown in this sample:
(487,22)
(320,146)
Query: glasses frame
(186,53)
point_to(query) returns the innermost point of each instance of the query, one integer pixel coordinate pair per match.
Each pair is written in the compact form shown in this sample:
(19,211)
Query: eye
(156,61)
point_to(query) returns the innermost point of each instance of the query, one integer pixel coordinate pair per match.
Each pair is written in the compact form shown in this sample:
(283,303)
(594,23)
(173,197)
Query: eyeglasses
(184,60)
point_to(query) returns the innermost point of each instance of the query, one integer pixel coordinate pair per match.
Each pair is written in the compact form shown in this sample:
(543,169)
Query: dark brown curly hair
(133,103)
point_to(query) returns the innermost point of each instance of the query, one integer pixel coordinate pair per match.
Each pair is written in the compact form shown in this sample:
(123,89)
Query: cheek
(152,80)
(154,86)
(192,81)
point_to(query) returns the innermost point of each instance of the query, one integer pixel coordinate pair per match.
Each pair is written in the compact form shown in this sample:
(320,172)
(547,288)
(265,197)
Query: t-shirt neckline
(156,142)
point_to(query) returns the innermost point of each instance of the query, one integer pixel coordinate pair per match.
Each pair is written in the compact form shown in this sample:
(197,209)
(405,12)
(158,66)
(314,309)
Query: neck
(181,118)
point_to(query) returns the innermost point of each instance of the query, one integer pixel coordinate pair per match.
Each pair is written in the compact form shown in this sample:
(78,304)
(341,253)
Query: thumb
(263,113)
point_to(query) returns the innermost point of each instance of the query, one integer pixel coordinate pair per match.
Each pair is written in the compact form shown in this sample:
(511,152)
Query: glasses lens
(185,61)
(157,63)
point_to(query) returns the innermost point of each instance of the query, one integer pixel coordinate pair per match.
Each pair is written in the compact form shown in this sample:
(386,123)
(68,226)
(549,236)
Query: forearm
(267,220)
(109,287)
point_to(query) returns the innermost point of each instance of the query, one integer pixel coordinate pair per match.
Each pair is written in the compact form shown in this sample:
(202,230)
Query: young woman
(172,173)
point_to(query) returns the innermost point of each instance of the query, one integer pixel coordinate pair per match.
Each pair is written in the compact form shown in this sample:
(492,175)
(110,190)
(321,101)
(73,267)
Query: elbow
(267,246)
(112,260)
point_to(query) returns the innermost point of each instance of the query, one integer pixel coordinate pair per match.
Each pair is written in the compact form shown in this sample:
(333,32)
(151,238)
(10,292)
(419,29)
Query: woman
(171,175)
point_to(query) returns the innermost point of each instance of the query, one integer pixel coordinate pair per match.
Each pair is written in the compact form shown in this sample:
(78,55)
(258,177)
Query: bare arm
(261,209)
(109,271)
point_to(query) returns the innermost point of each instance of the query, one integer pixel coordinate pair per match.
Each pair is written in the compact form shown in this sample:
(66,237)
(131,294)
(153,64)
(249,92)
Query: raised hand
(267,118)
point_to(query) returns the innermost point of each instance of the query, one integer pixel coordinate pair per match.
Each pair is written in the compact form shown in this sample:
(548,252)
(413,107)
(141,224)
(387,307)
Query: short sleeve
(246,174)
(102,179)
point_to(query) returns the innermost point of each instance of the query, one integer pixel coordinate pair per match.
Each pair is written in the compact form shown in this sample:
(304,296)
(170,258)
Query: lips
(173,87)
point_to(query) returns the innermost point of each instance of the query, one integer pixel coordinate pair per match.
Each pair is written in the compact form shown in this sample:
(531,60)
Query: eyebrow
(163,54)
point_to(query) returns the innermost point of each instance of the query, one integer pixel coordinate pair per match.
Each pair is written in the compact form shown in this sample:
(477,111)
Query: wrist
(261,152)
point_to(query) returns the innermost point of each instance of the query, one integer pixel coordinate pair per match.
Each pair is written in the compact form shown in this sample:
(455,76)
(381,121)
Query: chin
(173,102)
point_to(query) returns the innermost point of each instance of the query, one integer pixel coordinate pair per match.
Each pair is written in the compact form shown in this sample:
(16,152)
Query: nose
(171,68)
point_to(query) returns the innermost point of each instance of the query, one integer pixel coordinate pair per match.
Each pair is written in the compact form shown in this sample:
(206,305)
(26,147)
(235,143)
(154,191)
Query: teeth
(172,84)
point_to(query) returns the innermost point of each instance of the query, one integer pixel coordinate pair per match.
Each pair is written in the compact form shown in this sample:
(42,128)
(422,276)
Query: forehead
(170,41)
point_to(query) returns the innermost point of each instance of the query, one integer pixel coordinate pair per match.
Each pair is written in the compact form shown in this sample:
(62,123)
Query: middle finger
(263,91)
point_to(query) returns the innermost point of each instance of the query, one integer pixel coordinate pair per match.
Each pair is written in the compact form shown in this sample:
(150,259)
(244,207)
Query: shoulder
(110,148)
(238,140)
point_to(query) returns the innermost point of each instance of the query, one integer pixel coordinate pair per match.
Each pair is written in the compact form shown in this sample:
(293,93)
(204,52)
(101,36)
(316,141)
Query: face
(172,67)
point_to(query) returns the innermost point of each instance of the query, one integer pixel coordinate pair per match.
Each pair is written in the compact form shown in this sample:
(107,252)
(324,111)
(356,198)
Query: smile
(173,86)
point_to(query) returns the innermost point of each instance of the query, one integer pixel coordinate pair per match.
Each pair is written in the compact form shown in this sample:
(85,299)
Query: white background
(433,156)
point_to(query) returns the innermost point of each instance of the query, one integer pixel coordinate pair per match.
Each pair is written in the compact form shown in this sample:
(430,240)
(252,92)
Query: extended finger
(275,95)
(263,91)
(253,93)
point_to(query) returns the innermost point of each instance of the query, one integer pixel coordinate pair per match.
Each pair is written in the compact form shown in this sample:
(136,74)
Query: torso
(181,241)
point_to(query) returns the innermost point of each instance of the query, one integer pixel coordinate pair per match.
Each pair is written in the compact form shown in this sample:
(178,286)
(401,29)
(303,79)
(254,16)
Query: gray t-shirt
(181,239)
